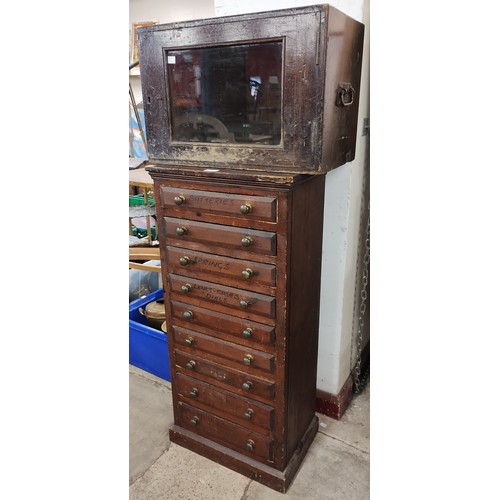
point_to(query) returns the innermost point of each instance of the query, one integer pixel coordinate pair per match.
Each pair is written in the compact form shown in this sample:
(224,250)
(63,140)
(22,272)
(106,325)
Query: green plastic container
(138,199)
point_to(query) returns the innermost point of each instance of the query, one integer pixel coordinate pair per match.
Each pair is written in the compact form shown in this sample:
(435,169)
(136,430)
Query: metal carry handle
(345,95)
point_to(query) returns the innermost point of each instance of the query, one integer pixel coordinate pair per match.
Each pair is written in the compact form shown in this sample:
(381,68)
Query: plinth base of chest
(273,478)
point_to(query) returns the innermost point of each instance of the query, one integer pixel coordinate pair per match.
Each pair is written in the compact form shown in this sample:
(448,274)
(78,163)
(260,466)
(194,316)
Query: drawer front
(226,404)
(227,433)
(208,321)
(244,272)
(245,384)
(240,357)
(241,300)
(249,207)
(187,233)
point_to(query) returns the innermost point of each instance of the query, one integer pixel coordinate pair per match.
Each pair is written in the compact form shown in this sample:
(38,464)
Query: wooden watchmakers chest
(244,115)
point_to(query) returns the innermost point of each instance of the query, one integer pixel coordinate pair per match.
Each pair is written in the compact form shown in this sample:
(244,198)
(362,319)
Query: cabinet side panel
(306,233)
(153,92)
(343,65)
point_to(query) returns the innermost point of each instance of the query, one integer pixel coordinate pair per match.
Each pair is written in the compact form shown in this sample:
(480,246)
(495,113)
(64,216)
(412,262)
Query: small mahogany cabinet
(241,261)
(274,91)
(244,115)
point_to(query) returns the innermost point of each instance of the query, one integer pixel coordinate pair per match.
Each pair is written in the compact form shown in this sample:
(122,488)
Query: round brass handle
(190,365)
(246,208)
(247,385)
(194,421)
(184,260)
(181,231)
(250,445)
(186,288)
(189,341)
(188,315)
(244,304)
(247,333)
(248,360)
(246,241)
(179,200)
(247,273)
(248,414)
(194,392)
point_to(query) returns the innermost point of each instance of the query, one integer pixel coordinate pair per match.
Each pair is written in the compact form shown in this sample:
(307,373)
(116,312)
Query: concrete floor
(337,466)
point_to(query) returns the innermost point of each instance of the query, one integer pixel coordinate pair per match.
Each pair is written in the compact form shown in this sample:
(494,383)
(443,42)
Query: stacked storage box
(148,347)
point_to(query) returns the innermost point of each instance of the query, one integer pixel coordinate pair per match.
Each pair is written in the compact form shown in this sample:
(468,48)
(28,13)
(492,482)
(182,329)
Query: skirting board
(333,405)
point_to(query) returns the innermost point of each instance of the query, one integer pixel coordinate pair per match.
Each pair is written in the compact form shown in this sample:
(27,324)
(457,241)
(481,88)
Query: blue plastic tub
(148,347)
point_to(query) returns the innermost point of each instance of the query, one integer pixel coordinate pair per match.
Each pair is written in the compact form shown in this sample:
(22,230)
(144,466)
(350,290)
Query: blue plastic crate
(148,347)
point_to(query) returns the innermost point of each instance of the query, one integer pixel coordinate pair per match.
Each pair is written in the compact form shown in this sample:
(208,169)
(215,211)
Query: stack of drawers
(242,341)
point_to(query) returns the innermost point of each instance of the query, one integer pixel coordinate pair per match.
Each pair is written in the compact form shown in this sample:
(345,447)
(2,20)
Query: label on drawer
(236,205)
(241,300)
(244,273)
(242,383)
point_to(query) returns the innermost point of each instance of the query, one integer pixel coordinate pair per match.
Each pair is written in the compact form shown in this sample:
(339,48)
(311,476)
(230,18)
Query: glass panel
(229,94)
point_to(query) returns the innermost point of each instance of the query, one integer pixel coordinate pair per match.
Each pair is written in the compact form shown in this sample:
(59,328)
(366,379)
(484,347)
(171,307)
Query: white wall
(165,11)
(338,340)
(353,8)
(337,337)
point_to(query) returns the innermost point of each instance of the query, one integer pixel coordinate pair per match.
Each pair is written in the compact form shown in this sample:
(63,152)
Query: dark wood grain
(210,196)
(222,375)
(306,232)
(223,351)
(204,202)
(322,49)
(231,238)
(283,343)
(226,299)
(227,433)
(226,404)
(223,269)
(273,477)
(221,325)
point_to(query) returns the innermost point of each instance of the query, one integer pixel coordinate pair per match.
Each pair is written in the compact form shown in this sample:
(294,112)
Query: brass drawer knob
(248,414)
(247,273)
(181,231)
(179,200)
(247,385)
(246,208)
(246,241)
(248,360)
(247,333)
(184,260)
(194,421)
(250,445)
(194,393)
(244,304)
(188,315)
(190,365)
(186,288)
(189,341)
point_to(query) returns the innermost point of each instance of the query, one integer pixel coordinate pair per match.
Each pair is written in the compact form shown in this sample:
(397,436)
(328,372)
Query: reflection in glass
(228,94)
